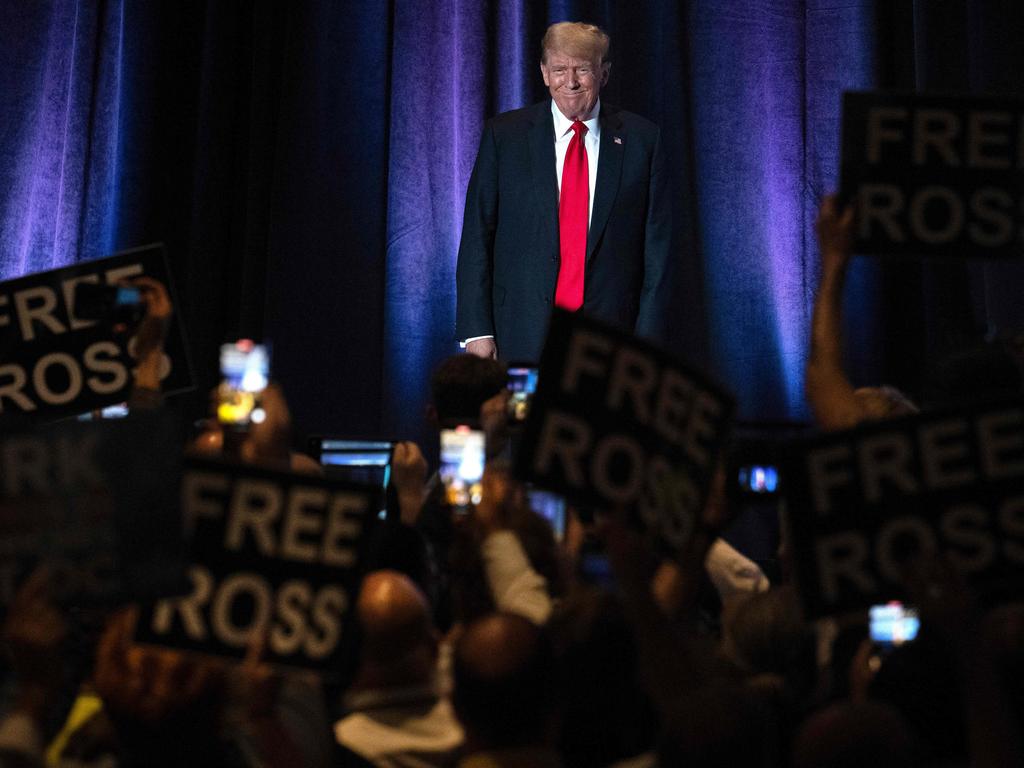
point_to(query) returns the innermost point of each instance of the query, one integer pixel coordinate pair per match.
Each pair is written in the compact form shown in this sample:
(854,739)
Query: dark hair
(607,716)
(462,383)
(503,695)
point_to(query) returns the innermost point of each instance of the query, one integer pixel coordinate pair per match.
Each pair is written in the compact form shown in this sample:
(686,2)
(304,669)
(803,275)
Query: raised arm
(829,391)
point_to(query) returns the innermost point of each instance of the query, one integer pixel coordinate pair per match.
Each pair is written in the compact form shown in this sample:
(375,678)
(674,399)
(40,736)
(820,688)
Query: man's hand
(149,336)
(494,422)
(483,348)
(267,441)
(502,502)
(835,234)
(147,684)
(148,340)
(409,475)
(828,388)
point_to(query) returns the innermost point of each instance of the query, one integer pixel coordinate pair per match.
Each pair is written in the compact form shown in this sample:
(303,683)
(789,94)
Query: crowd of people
(483,640)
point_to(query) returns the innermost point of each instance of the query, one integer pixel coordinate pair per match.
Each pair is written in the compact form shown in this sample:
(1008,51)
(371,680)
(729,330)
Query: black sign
(96,503)
(54,364)
(615,422)
(272,552)
(863,504)
(934,175)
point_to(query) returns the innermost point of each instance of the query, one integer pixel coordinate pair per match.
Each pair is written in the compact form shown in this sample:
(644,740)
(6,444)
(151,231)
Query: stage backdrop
(306,164)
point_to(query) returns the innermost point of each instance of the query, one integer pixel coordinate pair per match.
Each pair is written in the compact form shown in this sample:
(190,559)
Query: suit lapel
(542,163)
(609,169)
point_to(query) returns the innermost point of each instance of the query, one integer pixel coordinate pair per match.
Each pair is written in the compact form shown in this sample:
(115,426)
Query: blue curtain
(306,164)
(67,70)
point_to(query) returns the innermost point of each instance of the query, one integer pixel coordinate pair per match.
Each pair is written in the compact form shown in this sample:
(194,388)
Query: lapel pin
(617,139)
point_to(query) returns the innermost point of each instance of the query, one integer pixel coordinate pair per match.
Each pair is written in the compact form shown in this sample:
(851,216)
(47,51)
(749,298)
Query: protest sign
(270,552)
(55,364)
(862,504)
(96,503)
(934,175)
(615,422)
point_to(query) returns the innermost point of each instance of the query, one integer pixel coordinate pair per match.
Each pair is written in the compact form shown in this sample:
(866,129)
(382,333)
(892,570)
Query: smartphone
(522,383)
(119,411)
(893,624)
(108,303)
(551,507)
(358,460)
(462,466)
(760,479)
(245,368)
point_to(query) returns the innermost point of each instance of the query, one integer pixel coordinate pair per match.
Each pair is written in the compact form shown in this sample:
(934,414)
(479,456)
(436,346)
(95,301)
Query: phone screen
(893,623)
(462,466)
(550,506)
(522,383)
(119,411)
(757,478)
(245,367)
(127,296)
(357,460)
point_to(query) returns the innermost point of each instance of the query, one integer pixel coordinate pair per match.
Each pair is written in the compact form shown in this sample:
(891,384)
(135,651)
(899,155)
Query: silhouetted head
(503,682)
(399,642)
(852,735)
(461,384)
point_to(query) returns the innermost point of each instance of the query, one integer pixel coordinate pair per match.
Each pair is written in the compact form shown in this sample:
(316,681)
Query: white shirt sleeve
(731,572)
(515,586)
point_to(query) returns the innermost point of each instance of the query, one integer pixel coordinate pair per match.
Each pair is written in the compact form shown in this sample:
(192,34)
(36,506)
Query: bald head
(390,601)
(503,681)
(498,646)
(398,634)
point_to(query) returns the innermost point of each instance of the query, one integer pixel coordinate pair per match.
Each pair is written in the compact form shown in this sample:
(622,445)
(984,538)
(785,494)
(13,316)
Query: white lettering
(565,439)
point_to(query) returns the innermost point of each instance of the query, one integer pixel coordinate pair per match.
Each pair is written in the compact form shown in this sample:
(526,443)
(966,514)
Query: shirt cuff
(463,344)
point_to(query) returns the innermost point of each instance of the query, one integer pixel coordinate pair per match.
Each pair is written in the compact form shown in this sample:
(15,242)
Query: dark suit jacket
(508,257)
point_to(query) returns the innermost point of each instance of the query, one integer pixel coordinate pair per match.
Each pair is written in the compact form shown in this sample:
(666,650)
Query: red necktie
(573,210)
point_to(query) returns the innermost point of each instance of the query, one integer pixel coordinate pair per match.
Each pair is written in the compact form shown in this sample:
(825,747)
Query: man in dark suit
(568,205)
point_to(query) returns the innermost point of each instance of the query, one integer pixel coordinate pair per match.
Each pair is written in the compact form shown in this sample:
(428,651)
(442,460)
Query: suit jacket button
(547,300)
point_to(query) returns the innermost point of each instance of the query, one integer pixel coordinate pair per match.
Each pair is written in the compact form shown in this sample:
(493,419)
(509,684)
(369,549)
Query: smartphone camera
(522,383)
(893,624)
(462,466)
(245,368)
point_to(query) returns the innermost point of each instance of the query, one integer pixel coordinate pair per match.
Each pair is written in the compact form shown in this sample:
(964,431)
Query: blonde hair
(576,39)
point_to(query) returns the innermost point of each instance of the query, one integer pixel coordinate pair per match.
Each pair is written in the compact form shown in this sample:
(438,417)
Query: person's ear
(544,73)
(606,69)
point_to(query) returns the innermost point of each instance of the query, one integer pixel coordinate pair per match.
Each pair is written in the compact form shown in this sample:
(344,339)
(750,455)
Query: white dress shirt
(563,134)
